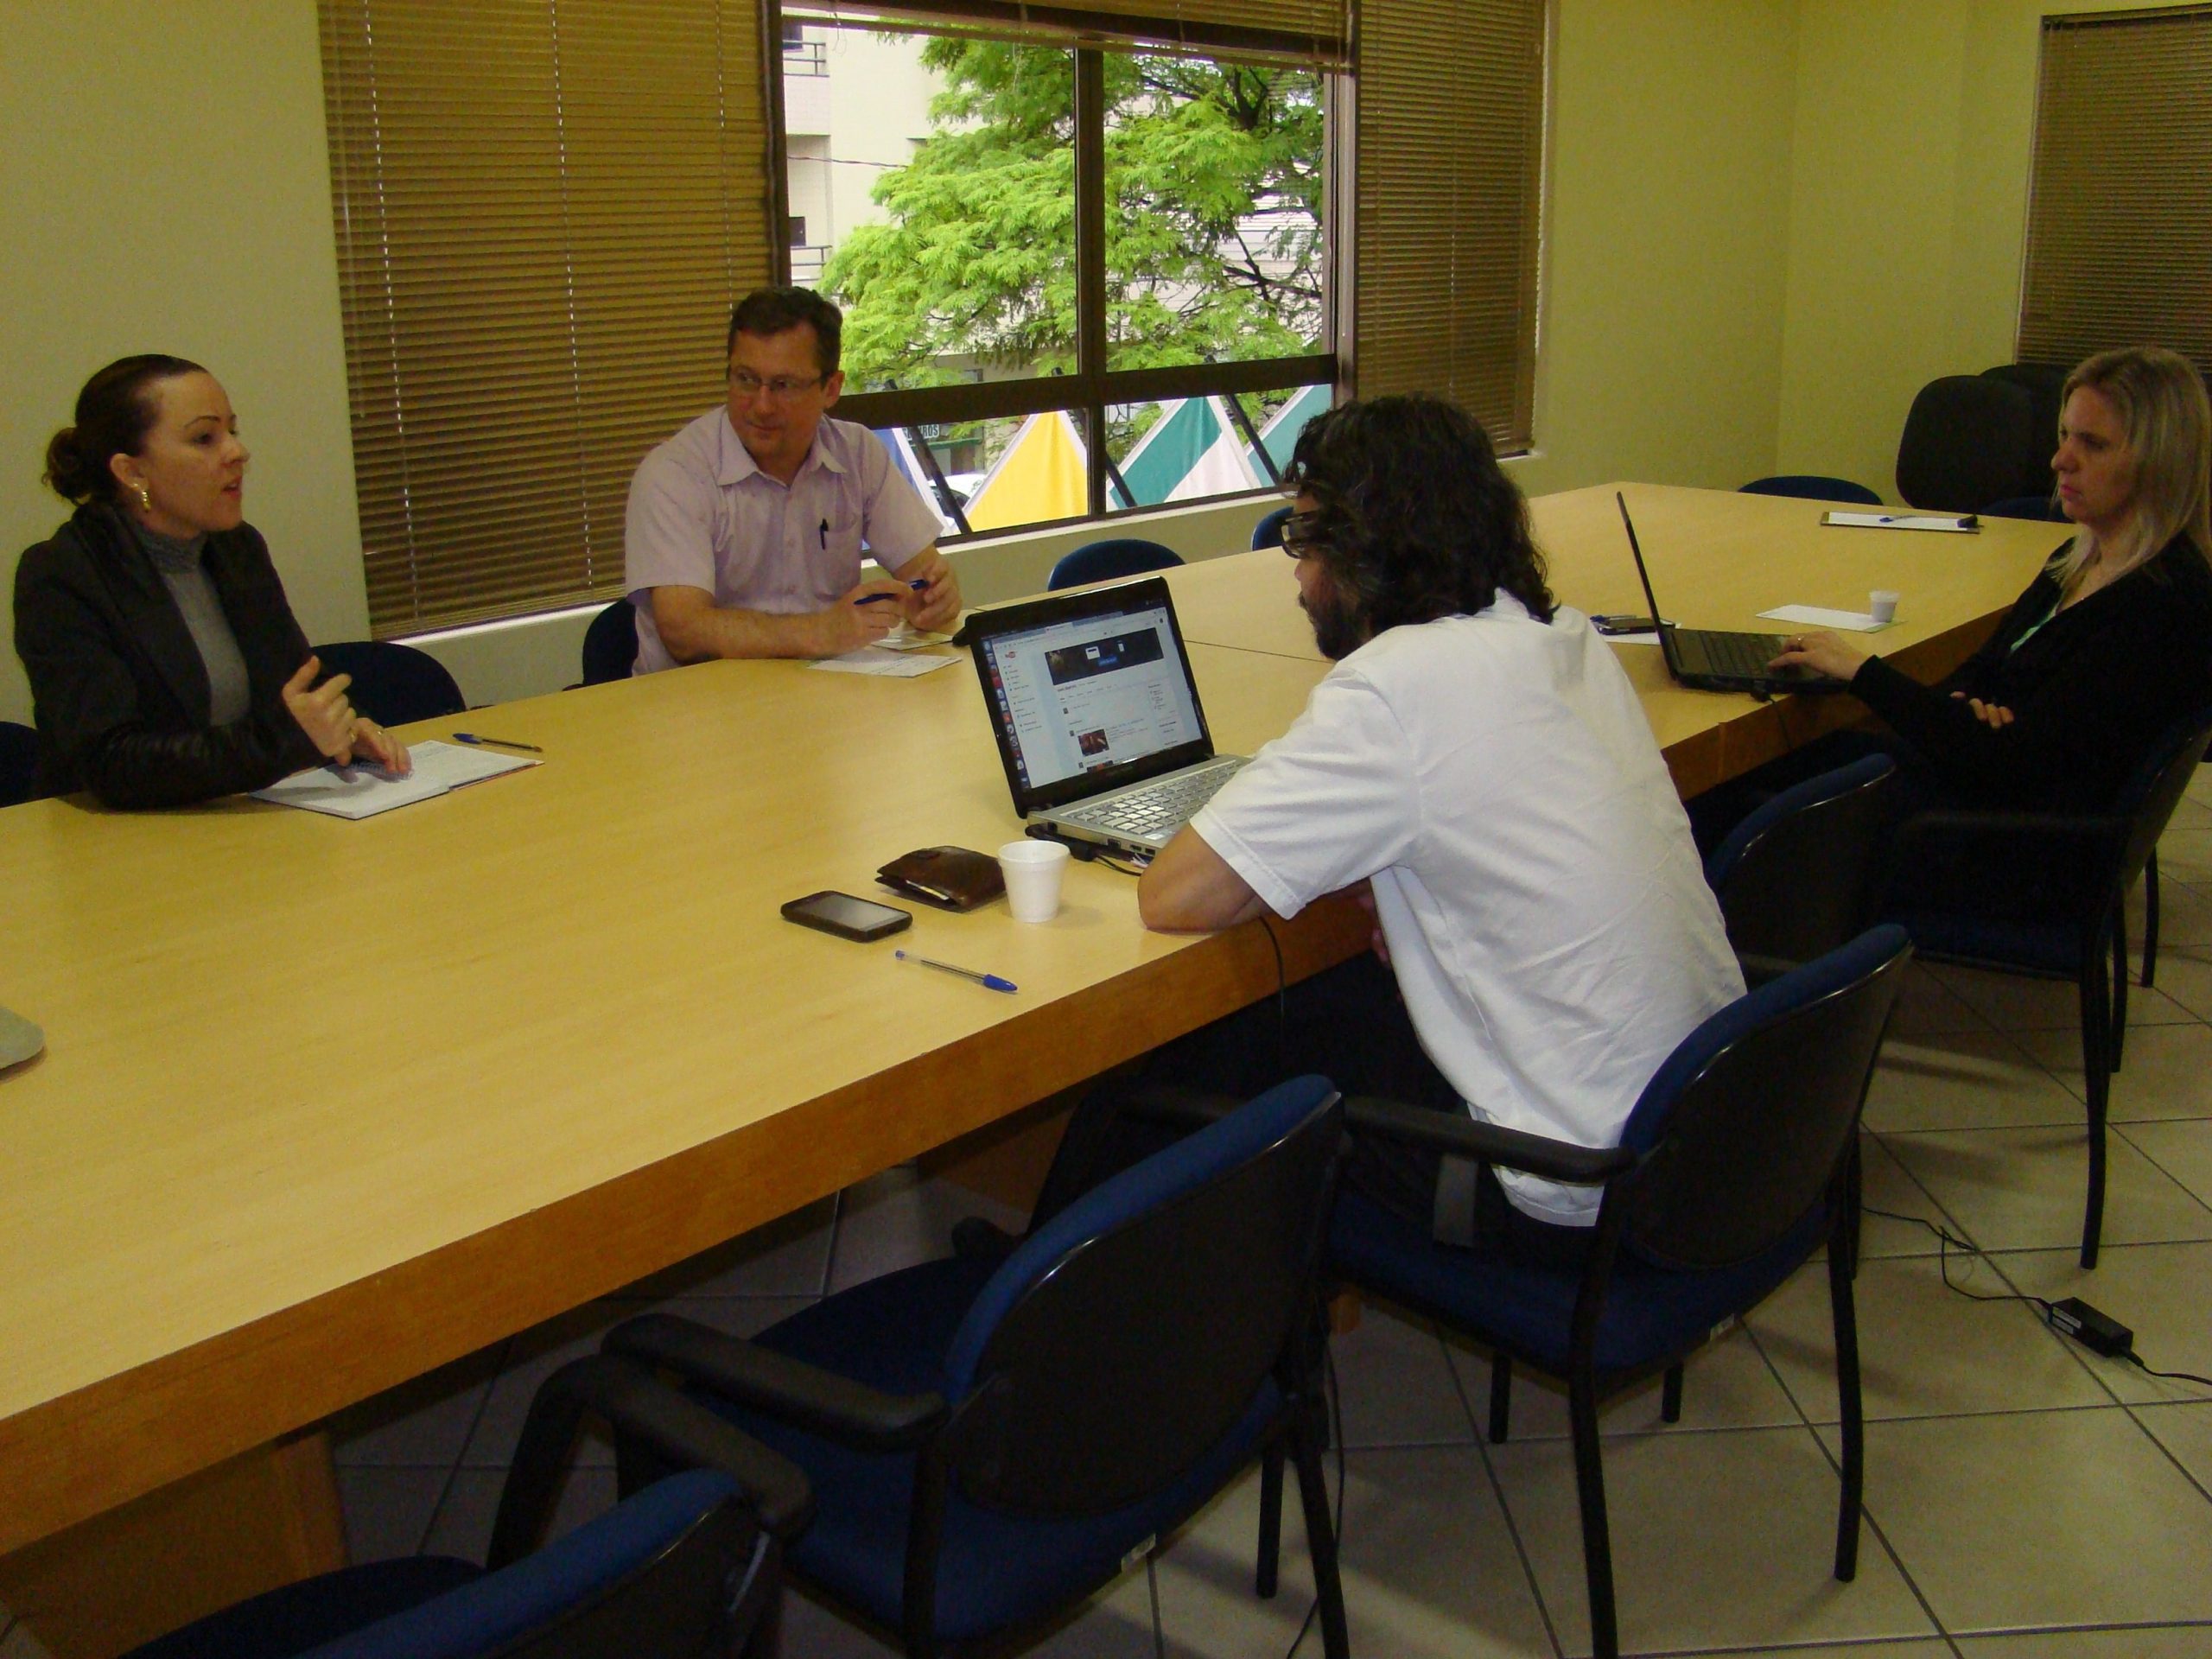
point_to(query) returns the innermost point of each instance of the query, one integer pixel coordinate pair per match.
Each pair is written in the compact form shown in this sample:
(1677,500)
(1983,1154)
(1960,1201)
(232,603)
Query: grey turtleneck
(229,696)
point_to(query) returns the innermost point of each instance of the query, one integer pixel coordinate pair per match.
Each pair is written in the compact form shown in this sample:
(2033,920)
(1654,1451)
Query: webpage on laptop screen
(1082,696)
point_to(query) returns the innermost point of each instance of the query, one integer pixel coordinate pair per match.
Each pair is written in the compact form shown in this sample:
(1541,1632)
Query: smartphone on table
(1621,622)
(860,919)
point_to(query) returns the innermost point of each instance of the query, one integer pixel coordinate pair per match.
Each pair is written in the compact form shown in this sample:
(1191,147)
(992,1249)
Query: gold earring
(145,501)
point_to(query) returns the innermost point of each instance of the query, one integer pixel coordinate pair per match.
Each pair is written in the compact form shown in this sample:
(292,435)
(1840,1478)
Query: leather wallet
(951,878)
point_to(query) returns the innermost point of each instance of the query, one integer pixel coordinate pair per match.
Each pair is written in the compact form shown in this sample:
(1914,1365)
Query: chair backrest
(1119,556)
(1967,442)
(680,1571)
(1128,1334)
(611,644)
(1812,487)
(1268,531)
(1797,878)
(393,683)
(2026,506)
(1743,1127)
(2043,382)
(18,763)
(2147,800)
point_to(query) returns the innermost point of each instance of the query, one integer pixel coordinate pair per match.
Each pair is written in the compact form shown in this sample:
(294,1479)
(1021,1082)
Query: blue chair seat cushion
(996,1570)
(1651,1314)
(2043,947)
(302,1617)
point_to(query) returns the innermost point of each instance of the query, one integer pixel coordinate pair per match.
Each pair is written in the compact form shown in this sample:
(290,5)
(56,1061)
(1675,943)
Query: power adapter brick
(2098,1332)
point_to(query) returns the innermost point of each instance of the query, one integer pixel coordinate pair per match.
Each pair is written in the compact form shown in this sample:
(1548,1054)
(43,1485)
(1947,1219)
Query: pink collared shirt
(702,514)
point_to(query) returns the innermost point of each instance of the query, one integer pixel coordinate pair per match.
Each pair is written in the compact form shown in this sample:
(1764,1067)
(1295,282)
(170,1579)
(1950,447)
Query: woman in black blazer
(164,663)
(2112,643)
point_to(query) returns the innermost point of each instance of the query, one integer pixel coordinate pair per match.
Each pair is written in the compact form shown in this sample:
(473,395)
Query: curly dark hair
(1416,519)
(767,311)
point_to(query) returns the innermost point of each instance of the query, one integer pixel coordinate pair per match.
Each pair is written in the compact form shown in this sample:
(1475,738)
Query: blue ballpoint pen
(989,982)
(918,584)
(496,742)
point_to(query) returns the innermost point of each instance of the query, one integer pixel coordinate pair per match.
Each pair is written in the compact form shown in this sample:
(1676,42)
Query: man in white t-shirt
(1479,762)
(744,532)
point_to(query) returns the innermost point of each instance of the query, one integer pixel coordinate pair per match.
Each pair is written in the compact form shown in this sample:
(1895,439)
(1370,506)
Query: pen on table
(918,584)
(989,981)
(496,742)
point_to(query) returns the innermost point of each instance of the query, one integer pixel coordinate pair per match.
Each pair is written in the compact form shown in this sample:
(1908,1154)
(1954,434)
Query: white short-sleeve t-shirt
(702,514)
(1494,778)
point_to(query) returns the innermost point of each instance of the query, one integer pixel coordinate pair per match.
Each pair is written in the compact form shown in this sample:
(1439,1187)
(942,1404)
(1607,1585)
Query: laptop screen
(1089,692)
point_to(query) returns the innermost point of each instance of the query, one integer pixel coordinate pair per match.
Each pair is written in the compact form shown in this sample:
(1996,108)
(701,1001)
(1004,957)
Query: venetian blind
(545,209)
(1308,30)
(2119,220)
(1450,141)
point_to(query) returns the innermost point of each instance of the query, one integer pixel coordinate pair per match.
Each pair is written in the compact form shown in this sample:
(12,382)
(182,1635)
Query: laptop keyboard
(1739,653)
(1167,805)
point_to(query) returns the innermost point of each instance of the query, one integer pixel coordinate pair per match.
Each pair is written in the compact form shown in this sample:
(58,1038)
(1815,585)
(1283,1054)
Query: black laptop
(1713,660)
(1097,715)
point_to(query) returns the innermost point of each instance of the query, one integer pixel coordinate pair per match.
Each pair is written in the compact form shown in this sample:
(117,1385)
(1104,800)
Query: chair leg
(1321,1542)
(1851,1411)
(1854,1197)
(1670,1395)
(1501,1396)
(1597,1540)
(2119,981)
(1271,1520)
(2096,1071)
(2150,919)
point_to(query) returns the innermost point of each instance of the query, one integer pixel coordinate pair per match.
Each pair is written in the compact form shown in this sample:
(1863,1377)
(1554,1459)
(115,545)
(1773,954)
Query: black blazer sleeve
(115,693)
(2089,693)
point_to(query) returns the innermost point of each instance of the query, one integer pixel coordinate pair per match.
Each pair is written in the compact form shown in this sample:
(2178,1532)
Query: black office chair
(1731,1171)
(18,763)
(686,1567)
(2043,382)
(1800,875)
(989,1437)
(1109,560)
(2086,940)
(2026,506)
(1966,443)
(611,644)
(1268,531)
(1812,487)
(393,683)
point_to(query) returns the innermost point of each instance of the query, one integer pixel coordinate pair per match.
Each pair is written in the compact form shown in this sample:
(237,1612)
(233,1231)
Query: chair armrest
(1188,1109)
(680,1430)
(2050,826)
(1463,1137)
(1762,969)
(821,1401)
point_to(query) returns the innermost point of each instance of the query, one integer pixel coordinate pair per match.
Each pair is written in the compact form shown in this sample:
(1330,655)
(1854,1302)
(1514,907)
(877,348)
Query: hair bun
(64,466)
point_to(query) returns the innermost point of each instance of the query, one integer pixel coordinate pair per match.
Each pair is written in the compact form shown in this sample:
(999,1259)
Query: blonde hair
(2160,400)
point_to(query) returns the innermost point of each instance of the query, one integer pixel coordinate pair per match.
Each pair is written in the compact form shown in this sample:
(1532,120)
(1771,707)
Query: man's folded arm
(1190,888)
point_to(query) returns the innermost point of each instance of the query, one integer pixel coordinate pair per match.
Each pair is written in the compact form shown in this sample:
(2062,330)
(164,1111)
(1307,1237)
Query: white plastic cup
(1882,606)
(1033,871)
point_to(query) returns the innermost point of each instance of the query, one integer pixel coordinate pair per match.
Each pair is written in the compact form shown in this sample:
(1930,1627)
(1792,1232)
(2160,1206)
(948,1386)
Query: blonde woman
(2108,646)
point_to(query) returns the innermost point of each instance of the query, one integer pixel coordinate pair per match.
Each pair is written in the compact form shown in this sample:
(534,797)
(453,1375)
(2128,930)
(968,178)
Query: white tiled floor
(2024,1500)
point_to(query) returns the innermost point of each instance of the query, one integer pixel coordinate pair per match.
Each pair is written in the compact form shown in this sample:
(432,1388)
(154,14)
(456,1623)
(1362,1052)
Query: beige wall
(164,187)
(1768,222)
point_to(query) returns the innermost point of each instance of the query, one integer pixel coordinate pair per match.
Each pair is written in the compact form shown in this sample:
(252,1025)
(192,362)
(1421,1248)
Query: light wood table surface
(327,1104)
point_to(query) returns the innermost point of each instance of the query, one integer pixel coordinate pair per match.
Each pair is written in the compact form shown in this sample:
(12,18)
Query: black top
(2089,692)
(119,688)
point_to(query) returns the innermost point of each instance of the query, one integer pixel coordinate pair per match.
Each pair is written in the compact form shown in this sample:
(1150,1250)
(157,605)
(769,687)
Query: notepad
(891,665)
(364,792)
(1952,522)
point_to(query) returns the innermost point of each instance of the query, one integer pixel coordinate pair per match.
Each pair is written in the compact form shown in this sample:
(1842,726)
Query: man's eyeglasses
(1302,535)
(746,383)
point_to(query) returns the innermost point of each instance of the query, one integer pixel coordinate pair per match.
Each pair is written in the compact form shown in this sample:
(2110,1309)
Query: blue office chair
(611,644)
(989,1437)
(688,1566)
(1812,487)
(1733,1169)
(18,763)
(1109,561)
(2085,939)
(2026,506)
(1268,531)
(1800,874)
(393,683)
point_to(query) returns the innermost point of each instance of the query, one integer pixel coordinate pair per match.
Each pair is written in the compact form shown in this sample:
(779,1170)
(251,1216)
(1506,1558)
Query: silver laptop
(1097,718)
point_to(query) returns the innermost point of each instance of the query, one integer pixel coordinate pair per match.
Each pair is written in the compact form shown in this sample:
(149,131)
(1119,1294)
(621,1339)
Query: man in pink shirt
(745,531)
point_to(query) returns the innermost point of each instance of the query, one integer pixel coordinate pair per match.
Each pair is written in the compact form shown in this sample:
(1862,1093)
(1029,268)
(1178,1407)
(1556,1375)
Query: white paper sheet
(1957,525)
(891,665)
(1815,616)
(364,792)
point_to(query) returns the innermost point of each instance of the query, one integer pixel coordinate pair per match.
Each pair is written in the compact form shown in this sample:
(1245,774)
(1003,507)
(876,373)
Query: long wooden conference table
(327,1104)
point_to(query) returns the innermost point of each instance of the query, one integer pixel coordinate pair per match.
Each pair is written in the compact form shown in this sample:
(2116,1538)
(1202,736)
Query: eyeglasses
(746,383)
(1302,535)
